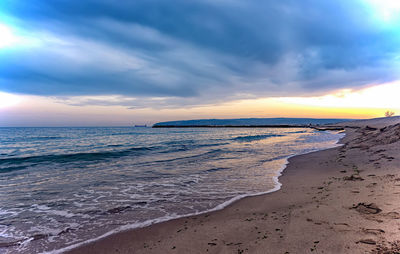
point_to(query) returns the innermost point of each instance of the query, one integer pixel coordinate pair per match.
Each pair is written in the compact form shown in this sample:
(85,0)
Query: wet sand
(341,200)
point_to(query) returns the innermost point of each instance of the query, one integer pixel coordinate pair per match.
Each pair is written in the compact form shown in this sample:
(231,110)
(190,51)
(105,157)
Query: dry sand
(341,200)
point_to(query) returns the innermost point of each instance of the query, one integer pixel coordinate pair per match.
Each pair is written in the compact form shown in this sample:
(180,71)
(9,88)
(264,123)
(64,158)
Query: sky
(107,62)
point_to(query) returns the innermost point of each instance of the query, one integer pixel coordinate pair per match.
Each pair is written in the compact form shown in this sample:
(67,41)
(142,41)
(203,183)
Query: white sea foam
(8,213)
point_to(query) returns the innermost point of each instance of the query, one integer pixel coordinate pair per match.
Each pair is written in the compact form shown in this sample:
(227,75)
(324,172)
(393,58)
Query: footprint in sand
(392,215)
(354,177)
(367,241)
(367,208)
(374,231)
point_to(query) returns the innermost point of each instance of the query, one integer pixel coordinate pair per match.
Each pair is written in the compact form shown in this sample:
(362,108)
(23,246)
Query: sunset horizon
(20,110)
(199,126)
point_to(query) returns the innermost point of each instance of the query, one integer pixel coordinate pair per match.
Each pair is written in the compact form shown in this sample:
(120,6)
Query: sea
(63,187)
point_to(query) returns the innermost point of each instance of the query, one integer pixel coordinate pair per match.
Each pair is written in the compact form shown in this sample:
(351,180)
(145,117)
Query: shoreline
(158,221)
(224,205)
(173,236)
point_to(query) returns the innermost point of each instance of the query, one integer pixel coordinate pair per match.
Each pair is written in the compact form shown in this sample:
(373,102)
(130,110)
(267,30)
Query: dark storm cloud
(200,51)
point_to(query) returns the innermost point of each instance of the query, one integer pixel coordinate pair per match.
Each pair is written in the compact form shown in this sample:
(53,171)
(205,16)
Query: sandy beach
(340,200)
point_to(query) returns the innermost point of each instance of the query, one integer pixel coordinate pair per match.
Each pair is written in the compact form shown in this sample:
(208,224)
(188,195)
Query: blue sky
(185,53)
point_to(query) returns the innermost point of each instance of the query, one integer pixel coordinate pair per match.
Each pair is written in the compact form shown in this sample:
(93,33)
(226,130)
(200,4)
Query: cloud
(194,52)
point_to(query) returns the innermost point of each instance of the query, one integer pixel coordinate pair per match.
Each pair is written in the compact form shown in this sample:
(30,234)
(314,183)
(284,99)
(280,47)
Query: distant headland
(253,123)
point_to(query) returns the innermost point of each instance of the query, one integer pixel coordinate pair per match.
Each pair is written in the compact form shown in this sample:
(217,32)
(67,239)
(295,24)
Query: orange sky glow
(369,102)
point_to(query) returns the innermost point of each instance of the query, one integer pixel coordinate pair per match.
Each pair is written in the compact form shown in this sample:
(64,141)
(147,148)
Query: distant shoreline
(322,128)
(281,122)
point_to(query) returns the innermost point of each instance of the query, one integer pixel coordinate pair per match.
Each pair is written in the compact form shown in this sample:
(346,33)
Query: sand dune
(376,122)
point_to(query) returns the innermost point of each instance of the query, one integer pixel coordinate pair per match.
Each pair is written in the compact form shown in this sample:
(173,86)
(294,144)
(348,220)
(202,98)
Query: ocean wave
(294,132)
(28,139)
(211,153)
(252,138)
(181,146)
(215,169)
(130,133)
(12,168)
(65,158)
(43,138)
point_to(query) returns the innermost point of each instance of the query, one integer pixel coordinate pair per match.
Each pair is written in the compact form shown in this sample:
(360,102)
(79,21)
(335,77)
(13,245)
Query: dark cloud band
(203,51)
